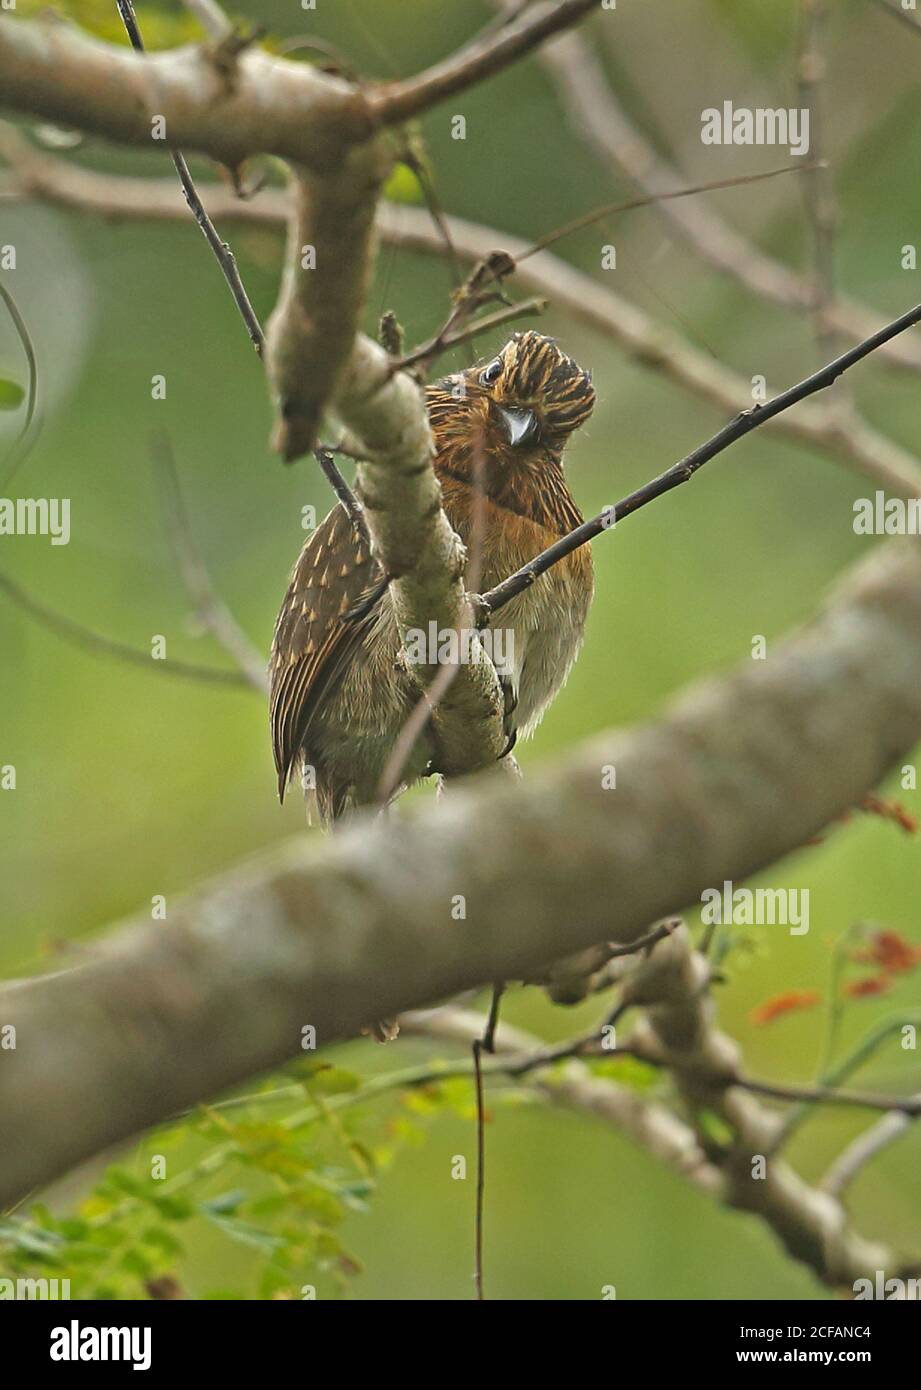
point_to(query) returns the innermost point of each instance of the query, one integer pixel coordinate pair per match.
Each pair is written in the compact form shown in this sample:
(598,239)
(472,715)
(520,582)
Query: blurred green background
(132,784)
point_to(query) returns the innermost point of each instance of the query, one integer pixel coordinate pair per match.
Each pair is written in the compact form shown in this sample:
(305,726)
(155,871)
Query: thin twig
(684,470)
(644,943)
(586,219)
(16,452)
(492,1021)
(817,186)
(476,1048)
(443,342)
(340,487)
(96,642)
(855,444)
(210,608)
(595,113)
(864,1149)
(828,1095)
(222,252)
(835,1073)
(487,54)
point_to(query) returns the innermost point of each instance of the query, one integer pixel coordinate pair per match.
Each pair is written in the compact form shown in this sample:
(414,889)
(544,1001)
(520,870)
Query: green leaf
(11,395)
(334,1081)
(246,1234)
(173,1208)
(225,1203)
(402,186)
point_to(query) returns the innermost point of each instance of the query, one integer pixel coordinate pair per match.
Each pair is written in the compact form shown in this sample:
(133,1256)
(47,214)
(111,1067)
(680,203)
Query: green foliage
(402,186)
(281,1187)
(161,25)
(11,395)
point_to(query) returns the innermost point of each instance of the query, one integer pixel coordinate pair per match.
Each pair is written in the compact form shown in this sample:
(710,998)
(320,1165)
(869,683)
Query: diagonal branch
(221,251)
(99,643)
(683,471)
(210,608)
(362,927)
(493,51)
(260,104)
(595,113)
(850,440)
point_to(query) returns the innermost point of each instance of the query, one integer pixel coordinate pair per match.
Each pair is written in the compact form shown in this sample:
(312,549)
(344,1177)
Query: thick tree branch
(417,547)
(741,772)
(261,105)
(327,268)
(679,1030)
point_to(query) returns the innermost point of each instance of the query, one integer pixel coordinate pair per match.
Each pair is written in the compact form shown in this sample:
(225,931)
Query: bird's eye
(489,374)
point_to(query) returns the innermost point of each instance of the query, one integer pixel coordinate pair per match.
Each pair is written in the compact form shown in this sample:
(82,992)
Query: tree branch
(679,1031)
(728,781)
(595,114)
(261,105)
(851,441)
(328,265)
(684,470)
(864,1149)
(418,548)
(210,608)
(99,643)
(490,53)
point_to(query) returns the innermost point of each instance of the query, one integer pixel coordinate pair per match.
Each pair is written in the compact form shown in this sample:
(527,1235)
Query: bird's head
(515,411)
(536,394)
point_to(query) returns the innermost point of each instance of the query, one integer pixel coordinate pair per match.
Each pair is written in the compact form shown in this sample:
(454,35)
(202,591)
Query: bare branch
(327,269)
(684,470)
(417,547)
(486,55)
(865,1148)
(222,252)
(851,441)
(211,18)
(264,105)
(596,114)
(151,1023)
(444,341)
(677,1029)
(99,644)
(829,1095)
(210,608)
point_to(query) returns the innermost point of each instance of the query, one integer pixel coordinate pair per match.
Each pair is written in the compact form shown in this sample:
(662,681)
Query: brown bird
(339,692)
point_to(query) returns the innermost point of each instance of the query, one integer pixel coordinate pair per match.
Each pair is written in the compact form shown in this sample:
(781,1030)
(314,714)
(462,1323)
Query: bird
(339,692)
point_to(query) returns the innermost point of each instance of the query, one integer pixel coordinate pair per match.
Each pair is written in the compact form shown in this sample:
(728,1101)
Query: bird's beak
(519,424)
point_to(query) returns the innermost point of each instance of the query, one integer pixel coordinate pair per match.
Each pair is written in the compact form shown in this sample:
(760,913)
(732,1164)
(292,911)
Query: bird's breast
(537,636)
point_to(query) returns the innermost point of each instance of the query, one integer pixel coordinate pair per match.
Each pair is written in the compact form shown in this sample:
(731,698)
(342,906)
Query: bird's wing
(331,598)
